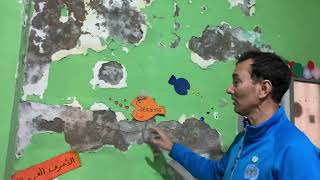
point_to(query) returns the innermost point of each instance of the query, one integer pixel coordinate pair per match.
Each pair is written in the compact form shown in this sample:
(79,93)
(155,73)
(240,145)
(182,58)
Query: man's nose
(230,90)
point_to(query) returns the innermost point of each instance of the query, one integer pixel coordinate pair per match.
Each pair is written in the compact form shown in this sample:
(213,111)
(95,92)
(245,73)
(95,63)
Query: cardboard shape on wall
(51,168)
(146,108)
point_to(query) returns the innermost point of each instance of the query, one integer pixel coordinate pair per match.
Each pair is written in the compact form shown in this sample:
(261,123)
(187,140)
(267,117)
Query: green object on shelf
(297,70)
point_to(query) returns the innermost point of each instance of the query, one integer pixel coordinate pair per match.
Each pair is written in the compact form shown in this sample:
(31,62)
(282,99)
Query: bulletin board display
(306,108)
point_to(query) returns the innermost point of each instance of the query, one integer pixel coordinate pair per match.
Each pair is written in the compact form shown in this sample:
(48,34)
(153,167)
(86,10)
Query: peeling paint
(234,3)
(86,25)
(86,41)
(176,10)
(221,43)
(98,106)
(176,26)
(247,6)
(75,103)
(63,19)
(126,50)
(140,4)
(37,80)
(87,130)
(176,42)
(125,23)
(27,114)
(144,29)
(16,74)
(48,35)
(109,74)
(215,115)
(203,9)
(182,119)
(204,64)
(120,116)
(101,106)
(105,18)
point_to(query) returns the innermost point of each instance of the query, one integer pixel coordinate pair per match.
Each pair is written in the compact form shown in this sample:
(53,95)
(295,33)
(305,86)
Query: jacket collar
(254,133)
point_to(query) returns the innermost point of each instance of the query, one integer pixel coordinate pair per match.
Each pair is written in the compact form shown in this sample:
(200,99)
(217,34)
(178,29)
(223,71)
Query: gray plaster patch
(87,130)
(56,125)
(109,74)
(36,80)
(87,24)
(121,19)
(48,35)
(248,7)
(221,43)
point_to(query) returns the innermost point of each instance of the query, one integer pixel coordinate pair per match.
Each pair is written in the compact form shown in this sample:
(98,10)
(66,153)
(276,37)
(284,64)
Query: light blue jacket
(275,149)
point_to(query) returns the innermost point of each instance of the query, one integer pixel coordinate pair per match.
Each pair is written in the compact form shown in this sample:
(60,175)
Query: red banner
(51,168)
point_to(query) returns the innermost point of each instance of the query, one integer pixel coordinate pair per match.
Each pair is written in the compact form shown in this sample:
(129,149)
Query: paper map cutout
(146,108)
(51,168)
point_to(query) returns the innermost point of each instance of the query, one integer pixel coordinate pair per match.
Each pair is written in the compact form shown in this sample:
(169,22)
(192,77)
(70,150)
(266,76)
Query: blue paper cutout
(181,85)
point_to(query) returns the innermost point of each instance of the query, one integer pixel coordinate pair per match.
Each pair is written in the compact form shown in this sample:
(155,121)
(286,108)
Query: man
(270,147)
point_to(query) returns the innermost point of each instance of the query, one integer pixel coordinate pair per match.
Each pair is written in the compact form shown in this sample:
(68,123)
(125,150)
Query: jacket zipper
(238,155)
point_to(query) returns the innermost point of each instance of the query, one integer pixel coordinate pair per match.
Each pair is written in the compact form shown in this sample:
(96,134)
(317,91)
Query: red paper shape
(51,168)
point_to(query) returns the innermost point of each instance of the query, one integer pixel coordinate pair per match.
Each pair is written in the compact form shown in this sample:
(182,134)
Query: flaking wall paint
(291,29)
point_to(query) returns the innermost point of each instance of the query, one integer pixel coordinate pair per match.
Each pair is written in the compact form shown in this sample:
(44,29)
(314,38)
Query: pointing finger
(158,131)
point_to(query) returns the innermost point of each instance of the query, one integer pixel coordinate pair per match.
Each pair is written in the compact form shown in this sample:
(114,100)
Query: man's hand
(161,139)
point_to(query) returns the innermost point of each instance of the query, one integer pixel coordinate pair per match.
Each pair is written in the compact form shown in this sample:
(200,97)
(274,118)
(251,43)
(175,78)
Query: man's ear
(266,88)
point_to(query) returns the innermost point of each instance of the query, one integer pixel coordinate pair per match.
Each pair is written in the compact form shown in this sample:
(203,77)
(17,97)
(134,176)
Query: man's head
(258,77)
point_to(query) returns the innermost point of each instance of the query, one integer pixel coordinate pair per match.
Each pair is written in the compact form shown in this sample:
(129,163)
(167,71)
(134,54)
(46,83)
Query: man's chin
(238,111)
(235,109)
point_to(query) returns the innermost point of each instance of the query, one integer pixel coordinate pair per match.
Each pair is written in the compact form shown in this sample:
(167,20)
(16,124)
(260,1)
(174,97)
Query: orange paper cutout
(51,168)
(146,108)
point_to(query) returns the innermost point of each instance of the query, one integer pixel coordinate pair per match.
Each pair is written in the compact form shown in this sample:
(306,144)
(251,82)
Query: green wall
(290,27)
(10,35)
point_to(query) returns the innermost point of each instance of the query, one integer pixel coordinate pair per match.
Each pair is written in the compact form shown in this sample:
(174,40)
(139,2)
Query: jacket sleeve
(200,167)
(300,163)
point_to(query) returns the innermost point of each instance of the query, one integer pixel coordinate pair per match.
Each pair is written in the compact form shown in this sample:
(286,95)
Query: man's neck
(262,113)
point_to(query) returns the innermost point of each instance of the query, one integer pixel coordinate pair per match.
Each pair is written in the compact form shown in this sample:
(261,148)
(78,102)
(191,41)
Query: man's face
(244,91)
